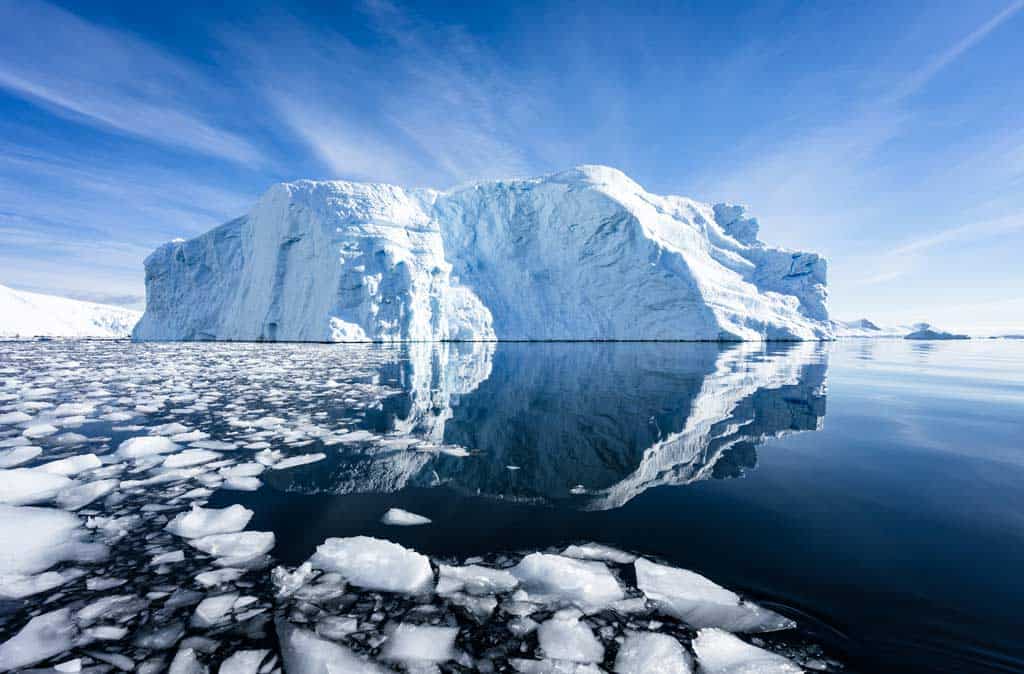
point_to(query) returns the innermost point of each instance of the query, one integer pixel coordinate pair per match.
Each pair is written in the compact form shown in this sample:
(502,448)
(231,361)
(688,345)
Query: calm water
(874,487)
(872,490)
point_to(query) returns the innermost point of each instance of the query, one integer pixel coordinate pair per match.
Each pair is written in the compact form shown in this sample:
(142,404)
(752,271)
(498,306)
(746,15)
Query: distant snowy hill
(582,254)
(26,315)
(868,329)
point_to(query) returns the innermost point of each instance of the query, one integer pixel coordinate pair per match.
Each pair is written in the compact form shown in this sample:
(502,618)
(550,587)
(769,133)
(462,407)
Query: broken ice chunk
(80,495)
(213,610)
(240,549)
(136,448)
(302,460)
(699,602)
(719,652)
(45,636)
(16,456)
(199,522)
(397,517)
(305,653)
(420,644)
(27,486)
(564,637)
(375,564)
(243,662)
(34,539)
(190,457)
(596,551)
(652,653)
(475,580)
(588,585)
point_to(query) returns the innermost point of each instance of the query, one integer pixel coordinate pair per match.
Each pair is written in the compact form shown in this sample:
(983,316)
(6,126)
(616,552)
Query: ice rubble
(26,315)
(582,254)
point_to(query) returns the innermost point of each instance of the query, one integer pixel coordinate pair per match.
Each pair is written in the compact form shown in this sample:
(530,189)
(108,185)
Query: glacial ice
(582,254)
(719,652)
(699,602)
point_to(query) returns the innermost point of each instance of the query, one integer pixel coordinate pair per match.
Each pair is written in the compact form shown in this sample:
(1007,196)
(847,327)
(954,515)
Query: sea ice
(598,552)
(699,602)
(564,637)
(80,495)
(403,518)
(652,653)
(719,652)
(302,460)
(72,465)
(190,457)
(475,580)
(16,456)
(137,448)
(375,564)
(44,637)
(588,585)
(27,486)
(305,653)
(239,549)
(243,662)
(420,643)
(199,521)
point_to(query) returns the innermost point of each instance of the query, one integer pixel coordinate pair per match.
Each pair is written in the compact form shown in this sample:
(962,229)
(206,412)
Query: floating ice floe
(397,517)
(242,549)
(719,652)
(199,522)
(137,448)
(587,585)
(304,652)
(418,644)
(652,653)
(27,486)
(375,564)
(16,456)
(598,552)
(698,602)
(302,460)
(45,636)
(475,580)
(564,637)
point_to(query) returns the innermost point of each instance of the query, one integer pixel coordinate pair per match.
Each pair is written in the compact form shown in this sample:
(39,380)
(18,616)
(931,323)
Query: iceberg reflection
(590,426)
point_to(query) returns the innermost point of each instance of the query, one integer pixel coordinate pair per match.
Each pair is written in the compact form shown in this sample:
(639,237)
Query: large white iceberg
(582,254)
(26,315)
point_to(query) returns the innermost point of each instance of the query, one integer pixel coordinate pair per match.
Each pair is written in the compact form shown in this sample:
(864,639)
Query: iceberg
(585,254)
(24,315)
(926,331)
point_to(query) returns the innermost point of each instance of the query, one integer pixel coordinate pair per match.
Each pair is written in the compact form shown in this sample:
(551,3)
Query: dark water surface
(872,489)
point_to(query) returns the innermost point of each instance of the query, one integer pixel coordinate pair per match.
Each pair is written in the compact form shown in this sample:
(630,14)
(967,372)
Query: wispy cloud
(111,80)
(969,231)
(427,105)
(921,77)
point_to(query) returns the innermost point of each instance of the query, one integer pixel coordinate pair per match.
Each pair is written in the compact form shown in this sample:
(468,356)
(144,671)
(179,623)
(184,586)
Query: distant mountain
(26,315)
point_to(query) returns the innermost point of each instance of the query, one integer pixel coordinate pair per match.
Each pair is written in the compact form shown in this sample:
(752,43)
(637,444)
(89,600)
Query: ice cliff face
(26,315)
(583,254)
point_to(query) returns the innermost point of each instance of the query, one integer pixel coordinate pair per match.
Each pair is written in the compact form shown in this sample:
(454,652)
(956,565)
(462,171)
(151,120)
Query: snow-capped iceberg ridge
(24,315)
(586,254)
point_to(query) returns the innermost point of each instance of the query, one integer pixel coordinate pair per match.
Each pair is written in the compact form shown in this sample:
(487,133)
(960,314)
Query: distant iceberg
(926,331)
(586,254)
(26,315)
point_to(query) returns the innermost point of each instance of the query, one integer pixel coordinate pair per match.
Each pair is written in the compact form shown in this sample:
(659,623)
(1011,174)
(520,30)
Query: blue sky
(887,136)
